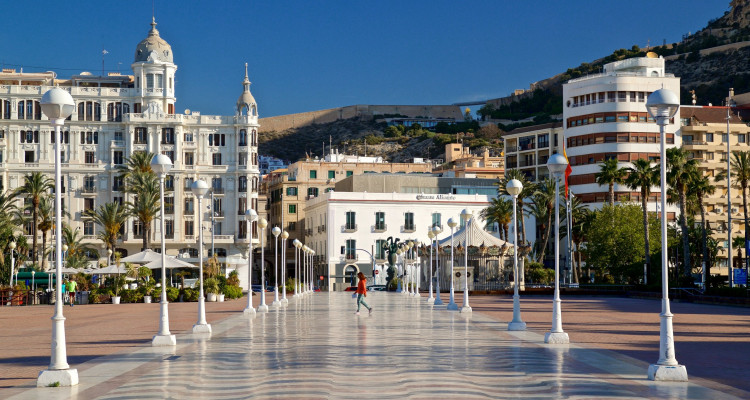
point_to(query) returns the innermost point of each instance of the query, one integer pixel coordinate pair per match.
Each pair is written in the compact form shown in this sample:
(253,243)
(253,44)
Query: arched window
(243,137)
(243,184)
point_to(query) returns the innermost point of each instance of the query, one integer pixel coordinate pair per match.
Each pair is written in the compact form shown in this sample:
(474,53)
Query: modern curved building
(605,117)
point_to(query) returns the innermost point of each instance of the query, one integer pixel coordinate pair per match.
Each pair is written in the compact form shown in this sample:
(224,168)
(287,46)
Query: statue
(391,247)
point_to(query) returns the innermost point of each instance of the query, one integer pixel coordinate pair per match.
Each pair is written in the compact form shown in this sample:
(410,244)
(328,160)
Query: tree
(740,164)
(609,174)
(615,240)
(681,170)
(499,211)
(77,250)
(581,219)
(528,190)
(700,188)
(46,223)
(146,203)
(643,175)
(111,217)
(542,208)
(35,186)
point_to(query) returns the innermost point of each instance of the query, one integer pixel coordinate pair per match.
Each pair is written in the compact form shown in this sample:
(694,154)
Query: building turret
(154,72)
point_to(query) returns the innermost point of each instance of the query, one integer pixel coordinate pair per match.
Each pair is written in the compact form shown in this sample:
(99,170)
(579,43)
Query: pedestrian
(72,291)
(63,289)
(362,292)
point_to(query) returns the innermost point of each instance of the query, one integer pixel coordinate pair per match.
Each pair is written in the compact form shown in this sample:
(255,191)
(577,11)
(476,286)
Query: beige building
(528,148)
(464,164)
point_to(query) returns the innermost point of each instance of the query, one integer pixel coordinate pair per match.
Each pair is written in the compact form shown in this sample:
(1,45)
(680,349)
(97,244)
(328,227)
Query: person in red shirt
(362,292)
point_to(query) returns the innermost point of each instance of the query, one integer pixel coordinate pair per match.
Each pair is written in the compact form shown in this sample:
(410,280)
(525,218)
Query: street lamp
(412,267)
(663,105)
(161,165)
(199,189)
(262,224)
(514,188)
(109,257)
(297,244)
(452,306)
(33,286)
(557,165)
(284,237)
(276,231)
(12,246)
(305,262)
(466,215)
(436,230)
(417,245)
(57,105)
(310,275)
(251,216)
(431,235)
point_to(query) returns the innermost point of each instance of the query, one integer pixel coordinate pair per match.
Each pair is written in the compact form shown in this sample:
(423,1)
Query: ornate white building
(117,115)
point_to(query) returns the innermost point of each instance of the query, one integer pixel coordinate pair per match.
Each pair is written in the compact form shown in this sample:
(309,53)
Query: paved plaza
(317,348)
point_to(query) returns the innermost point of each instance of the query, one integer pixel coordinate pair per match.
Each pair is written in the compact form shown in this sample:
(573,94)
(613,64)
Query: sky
(306,55)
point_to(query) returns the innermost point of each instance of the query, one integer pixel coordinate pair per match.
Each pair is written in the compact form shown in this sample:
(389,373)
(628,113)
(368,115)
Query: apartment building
(118,115)
(527,149)
(462,163)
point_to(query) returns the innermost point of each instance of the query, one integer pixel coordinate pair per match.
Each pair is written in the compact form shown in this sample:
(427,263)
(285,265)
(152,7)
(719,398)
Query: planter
(211,296)
(146,299)
(115,299)
(221,297)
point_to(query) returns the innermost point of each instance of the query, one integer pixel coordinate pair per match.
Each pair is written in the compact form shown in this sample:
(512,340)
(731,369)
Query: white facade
(605,117)
(405,216)
(118,115)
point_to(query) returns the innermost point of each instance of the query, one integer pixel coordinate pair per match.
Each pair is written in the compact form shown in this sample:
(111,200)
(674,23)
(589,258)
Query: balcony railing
(219,214)
(349,228)
(88,189)
(350,257)
(512,149)
(379,227)
(408,228)
(218,190)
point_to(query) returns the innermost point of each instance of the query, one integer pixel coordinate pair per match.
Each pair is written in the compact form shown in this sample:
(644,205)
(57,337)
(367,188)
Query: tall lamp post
(452,306)
(412,270)
(418,280)
(431,298)
(199,189)
(57,105)
(436,230)
(284,237)
(305,264)
(276,231)
(514,188)
(297,244)
(262,224)
(12,246)
(663,105)
(251,216)
(556,165)
(466,216)
(310,275)
(161,165)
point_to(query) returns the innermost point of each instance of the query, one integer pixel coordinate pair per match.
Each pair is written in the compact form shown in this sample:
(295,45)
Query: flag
(104,52)
(568,169)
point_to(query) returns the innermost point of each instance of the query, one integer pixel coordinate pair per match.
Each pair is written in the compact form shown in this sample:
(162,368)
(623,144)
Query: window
(88,228)
(292,208)
(724,138)
(115,111)
(169,205)
(243,137)
(349,173)
(117,184)
(189,158)
(292,226)
(379,252)
(242,160)
(436,221)
(117,158)
(189,206)
(188,183)
(217,207)
(409,221)
(291,191)
(741,138)
(242,184)
(137,229)
(709,155)
(141,136)
(313,174)
(217,139)
(90,157)
(331,174)
(216,158)
(29,136)
(189,228)
(188,137)
(28,156)
(88,204)
(169,228)
(216,185)
(380,221)
(351,220)
(241,229)
(64,135)
(543,141)
(169,182)
(29,109)
(242,206)
(312,192)
(709,137)
(169,154)
(167,135)
(89,111)
(351,249)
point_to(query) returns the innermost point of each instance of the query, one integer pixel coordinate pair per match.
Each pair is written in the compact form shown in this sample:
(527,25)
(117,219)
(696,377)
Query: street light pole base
(516,326)
(284,302)
(262,308)
(249,311)
(438,301)
(556,338)
(57,377)
(670,373)
(452,307)
(202,328)
(465,309)
(430,300)
(276,303)
(164,340)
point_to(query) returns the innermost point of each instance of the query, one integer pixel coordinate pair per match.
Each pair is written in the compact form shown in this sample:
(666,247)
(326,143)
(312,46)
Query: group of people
(69,288)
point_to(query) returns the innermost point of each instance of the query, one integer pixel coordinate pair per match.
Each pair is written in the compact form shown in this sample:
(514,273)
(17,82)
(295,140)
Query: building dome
(153,47)
(246,103)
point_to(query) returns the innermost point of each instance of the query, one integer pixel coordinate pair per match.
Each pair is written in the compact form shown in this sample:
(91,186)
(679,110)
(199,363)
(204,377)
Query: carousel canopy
(477,237)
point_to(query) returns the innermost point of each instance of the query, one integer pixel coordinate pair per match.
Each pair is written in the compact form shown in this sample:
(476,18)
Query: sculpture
(391,247)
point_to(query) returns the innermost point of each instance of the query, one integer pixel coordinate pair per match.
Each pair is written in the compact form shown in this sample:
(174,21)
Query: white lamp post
(297,244)
(199,189)
(467,217)
(662,105)
(262,308)
(276,231)
(33,286)
(431,235)
(109,257)
(57,105)
(556,165)
(452,306)
(514,188)
(418,265)
(306,262)
(412,270)
(284,237)
(310,275)
(251,216)
(12,246)
(436,230)
(161,165)
(400,285)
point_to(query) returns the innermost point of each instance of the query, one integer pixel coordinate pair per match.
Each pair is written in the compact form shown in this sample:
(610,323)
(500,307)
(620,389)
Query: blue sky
(310,55)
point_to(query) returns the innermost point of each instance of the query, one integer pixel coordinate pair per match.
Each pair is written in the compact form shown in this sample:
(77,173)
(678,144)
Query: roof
(710,115)
(153,47)
(549,125)
(477,237)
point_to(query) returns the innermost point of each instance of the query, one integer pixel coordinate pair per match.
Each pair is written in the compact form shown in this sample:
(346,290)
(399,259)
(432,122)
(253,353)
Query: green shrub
(131,296)
(232,292)
(190,294)
(172,294)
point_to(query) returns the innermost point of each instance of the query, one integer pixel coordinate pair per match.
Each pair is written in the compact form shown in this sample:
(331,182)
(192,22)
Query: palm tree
(35,186)
(701,187)
(740,164)
(609,174)
(643,175)
(77,250)
(528,190)
(542,208)
(46,223)
(582,216)
(111,217)
(139,161)
(680,174)
(500,211)
(146,204)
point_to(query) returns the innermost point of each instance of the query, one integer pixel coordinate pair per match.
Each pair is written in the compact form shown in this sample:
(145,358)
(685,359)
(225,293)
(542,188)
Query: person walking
(72,291)
(64,290)
(362,292)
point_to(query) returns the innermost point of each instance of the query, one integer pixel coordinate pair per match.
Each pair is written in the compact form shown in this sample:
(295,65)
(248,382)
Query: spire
(153,31)
(246,82)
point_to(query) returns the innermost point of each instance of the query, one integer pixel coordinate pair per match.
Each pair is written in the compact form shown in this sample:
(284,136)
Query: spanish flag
(568,169)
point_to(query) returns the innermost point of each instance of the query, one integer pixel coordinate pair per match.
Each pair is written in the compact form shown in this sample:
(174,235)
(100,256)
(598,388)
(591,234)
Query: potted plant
(211,286)
(147,287)
(117,283)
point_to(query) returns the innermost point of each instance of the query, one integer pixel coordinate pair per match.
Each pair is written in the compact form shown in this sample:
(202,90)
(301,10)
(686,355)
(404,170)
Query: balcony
(512,149)
(408,228)
(379,228)
(219,214)
(350,257)
(511,165)
(321,229)
(88,190)
(217,190)
(349,228)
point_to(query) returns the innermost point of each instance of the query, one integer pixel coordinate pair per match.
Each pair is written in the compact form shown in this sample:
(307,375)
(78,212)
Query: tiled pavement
(318,348)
